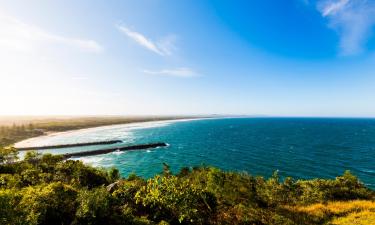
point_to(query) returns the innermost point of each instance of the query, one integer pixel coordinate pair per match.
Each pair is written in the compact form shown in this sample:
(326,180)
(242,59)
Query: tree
(49,204)
(94,206)
(8,154)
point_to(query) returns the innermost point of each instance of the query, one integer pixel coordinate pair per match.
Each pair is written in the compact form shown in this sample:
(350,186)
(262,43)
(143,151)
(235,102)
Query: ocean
(302,148)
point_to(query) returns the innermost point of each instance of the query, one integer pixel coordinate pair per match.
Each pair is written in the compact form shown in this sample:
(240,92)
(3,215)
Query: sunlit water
(297,147)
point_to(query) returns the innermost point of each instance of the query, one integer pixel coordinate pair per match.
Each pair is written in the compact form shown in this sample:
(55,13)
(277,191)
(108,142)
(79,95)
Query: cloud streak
(178,72)
(352,19)
(331,7)
(164,47)
(17,35)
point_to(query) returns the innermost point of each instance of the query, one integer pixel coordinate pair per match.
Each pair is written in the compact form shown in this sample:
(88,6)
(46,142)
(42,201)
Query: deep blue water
(297,147)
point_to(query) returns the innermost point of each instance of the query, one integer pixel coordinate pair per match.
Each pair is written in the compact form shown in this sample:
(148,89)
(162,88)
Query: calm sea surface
(297,147)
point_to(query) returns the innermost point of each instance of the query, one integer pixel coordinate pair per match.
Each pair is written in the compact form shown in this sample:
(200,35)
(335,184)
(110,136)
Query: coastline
(23,143)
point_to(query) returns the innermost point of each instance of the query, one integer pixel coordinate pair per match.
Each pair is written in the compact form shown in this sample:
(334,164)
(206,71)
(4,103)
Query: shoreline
(23,143)
(110,142)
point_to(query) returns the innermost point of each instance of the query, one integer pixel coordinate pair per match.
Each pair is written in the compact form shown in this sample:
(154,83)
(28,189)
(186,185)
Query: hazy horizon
(295,58)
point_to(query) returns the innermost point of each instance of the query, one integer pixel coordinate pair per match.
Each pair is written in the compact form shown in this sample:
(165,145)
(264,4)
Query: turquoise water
(297,147)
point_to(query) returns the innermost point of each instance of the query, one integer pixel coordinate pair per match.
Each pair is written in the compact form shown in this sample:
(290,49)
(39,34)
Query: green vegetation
(14,129)
(14,133)
(44,189)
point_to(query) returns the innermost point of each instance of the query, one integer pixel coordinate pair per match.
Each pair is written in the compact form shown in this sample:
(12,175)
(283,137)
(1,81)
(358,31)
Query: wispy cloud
(332,7)
(352,19)
(163,47)
(178,72)
(18,35)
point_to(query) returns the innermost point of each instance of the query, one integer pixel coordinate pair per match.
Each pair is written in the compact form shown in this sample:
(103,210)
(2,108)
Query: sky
(188,57)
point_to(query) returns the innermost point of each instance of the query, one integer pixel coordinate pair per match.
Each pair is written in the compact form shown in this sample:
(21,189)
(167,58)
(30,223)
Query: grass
(340,212)
(360,218)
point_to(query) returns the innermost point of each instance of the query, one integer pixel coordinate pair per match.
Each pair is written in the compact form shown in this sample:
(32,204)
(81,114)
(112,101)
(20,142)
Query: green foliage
(8,154)
(76,173)
(46,189)
(31,156)
(176,199)
(346,187)
(11,134)
(9,213)
(94,206)
(40,169)
(114,174)
(49,204)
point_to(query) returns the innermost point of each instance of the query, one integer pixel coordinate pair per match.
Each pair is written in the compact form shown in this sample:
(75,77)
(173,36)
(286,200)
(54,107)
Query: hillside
(44,189)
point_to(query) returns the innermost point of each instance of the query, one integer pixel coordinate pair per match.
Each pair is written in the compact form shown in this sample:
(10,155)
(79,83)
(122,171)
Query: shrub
(49,204)
(94,206)
(174,199)
(114,174)
(9,212)
(78,174)
(346,187)
(8,154)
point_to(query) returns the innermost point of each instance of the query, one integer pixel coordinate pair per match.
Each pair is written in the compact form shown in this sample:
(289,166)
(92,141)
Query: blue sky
(269,57)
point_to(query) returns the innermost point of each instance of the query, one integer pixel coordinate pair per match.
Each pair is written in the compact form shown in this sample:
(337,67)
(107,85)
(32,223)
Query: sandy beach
(131,125)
